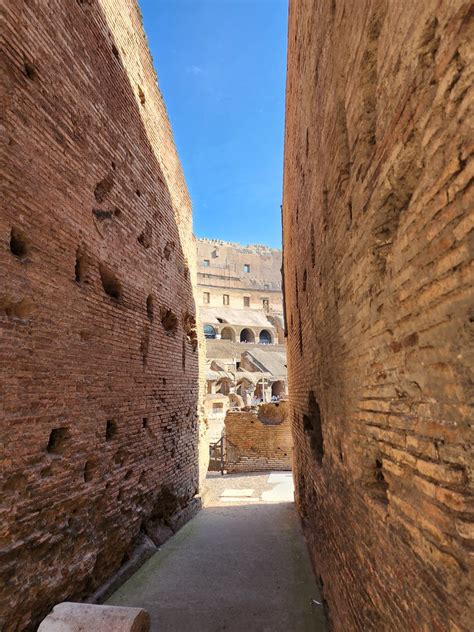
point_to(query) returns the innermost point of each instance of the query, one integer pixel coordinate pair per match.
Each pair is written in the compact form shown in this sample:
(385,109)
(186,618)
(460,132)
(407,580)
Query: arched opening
(278,389)
(228,334)
(245,389)
(247,335)
(259,391)
(224,387)
(265,337)
(209,332)
(235,400)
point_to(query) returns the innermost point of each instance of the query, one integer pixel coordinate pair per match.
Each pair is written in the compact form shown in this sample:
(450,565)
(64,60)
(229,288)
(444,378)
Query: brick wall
(100,392)
(377,251)
(258,439)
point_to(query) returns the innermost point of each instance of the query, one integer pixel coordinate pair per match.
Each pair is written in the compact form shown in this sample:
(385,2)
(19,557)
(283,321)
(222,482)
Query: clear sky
(221,66)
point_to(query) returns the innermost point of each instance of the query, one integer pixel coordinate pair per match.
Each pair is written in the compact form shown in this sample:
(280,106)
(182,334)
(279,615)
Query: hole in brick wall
(168,249)
(58,439)
(18,245)
(120,457)
(169,321)
(145,238)
(20,310)
(117,212)
(189,326)
(138,193)
(110,283)
(90,469)
(145,422)
(80,267)
(103,188)
(115,51)
(102,215)
(149,306)
(113,165)
(312,426)
(110,429)
(30,70)
(378,488)
(141,95)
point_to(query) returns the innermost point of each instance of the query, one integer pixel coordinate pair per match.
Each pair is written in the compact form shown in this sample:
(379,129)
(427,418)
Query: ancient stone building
(99,367)
(241,308)
(378,220)
(239,292)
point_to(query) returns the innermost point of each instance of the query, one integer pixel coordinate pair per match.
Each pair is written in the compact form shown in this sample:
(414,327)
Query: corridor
(240,565)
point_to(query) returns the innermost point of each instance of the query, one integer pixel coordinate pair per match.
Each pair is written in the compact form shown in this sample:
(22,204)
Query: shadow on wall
(99,350)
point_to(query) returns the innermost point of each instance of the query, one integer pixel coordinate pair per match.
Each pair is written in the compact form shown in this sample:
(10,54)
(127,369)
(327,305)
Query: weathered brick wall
(98,354)
(258,439)
(377,248)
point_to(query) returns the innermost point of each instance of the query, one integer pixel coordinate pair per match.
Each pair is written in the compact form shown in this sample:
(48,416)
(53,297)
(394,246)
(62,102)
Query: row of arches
(225,387)
(246,335)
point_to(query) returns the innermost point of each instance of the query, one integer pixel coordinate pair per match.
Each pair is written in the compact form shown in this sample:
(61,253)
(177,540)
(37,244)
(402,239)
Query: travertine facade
(258,439)
(99,345)
(378,215)
(239,291)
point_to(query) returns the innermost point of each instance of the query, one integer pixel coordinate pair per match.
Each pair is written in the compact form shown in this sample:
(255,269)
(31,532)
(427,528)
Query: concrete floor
(240,565)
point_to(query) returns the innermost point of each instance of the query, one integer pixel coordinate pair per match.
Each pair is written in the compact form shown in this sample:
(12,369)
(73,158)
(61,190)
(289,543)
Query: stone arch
(227,333)
(236,400)
(247,335)
(209,332)
(279,388)
(265,337)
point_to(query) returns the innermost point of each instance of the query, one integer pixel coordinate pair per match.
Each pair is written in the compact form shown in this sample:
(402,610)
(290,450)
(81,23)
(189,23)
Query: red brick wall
(377,245)
(258,439)
(98,359)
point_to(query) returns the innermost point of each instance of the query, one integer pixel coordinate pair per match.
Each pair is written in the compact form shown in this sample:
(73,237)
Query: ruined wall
(258,439)
(377,248)
(99,351)
(226,265)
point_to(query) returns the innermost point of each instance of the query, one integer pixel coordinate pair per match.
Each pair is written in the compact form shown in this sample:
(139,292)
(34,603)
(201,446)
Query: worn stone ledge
(77,617)
(146,546)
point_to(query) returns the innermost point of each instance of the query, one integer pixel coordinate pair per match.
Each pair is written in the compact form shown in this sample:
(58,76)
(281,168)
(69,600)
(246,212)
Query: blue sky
(221,66)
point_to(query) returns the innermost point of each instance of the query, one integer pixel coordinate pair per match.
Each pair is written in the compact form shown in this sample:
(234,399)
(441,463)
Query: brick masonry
(258,439)
(378,221)
(99,370)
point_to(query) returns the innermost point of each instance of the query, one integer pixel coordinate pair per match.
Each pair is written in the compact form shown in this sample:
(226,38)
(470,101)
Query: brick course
(377,219)
(258,439)
(100,383)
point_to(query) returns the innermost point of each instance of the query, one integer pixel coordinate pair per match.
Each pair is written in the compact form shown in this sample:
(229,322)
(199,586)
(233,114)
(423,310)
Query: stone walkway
(239,566)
